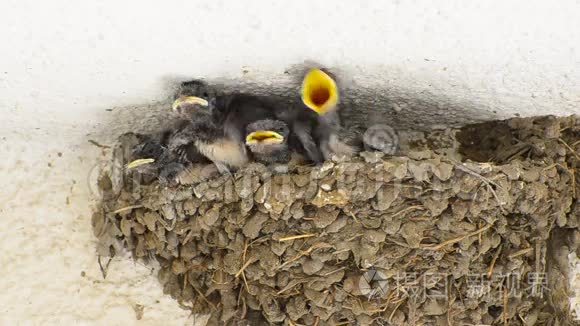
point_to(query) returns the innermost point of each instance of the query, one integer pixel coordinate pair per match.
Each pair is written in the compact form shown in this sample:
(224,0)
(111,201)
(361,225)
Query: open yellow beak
(189,100)
(319,91)
(139,162)
(264,137)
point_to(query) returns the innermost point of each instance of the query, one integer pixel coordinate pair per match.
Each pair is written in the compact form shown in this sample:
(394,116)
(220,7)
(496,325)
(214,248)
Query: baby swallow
(268,141)
(191,95)
(151,159)
(316,129)
(201,135)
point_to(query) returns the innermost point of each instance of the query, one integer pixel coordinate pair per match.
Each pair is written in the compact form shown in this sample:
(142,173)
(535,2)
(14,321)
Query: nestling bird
(202,135)
(268,141)
(317,128)
(152,159)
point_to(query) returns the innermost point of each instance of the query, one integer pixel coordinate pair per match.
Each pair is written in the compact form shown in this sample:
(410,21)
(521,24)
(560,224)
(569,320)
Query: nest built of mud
(427,237)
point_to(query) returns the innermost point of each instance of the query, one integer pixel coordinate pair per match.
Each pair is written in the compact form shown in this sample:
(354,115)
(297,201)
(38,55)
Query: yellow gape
(264,137)
(139,162)
(319,91)
(189,100)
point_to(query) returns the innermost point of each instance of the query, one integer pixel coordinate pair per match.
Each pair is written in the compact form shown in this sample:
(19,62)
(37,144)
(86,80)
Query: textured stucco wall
(64,63)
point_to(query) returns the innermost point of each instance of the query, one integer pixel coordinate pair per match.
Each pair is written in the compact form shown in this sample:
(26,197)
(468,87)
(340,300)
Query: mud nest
(424,238)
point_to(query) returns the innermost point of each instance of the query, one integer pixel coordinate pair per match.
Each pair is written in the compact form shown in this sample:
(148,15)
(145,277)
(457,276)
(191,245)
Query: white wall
(63,63)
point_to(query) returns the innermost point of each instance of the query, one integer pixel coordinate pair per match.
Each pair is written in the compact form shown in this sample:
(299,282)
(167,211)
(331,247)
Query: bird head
(319,92)
(266,132)
(192,95)
(268,140)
